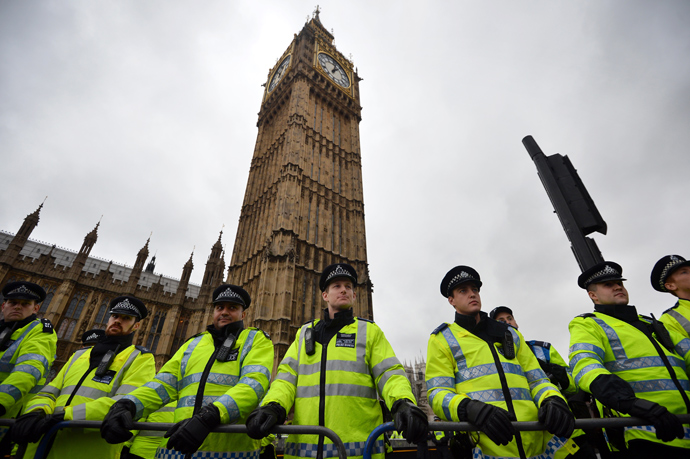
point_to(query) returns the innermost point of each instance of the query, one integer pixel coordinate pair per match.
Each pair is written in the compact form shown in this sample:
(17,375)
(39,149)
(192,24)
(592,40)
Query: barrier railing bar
(237,428)
(519,426)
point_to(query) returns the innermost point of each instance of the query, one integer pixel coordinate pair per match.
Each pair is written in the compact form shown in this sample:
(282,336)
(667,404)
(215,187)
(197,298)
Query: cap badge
(23,289)
(339,271)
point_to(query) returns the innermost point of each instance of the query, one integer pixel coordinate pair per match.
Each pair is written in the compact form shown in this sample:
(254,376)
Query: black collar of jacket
(326,328)
(17,324)
(626,313)
(233,328)
(109,343)
(488,329)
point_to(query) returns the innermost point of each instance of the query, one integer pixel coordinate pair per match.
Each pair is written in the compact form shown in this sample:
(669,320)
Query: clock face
(334,71)
(278,75)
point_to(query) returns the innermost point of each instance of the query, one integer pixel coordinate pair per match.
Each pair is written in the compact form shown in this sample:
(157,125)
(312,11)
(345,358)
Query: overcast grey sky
(145,113)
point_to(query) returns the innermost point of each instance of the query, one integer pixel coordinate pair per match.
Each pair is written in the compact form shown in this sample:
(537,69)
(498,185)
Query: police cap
(601,272)
(228,293)
(128,306)
(500,309)
(664,268)
(334,271)
(92,336)
(22,290)
(456,276)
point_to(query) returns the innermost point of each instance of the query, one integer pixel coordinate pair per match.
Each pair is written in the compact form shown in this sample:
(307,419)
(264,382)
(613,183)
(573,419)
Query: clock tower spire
(303,207)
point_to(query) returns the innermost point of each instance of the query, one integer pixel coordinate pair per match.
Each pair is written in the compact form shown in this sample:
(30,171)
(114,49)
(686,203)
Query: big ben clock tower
(303,208)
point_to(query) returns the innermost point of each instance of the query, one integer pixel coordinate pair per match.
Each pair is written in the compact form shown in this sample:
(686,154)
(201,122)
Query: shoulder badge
(47,326)
(265,333)
(143,350)
(440,328)
(587,314)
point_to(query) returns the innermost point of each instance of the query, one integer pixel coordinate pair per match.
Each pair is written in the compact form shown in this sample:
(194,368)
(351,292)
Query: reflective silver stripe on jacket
(685,323)
(6,364)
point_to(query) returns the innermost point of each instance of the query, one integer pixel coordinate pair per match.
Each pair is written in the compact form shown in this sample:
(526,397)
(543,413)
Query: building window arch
(71,317)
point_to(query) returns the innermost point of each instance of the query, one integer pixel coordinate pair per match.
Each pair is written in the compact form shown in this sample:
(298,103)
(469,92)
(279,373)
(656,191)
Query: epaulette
(671,308)
(543,344)
(308,322)
(143,350)
(47,326)
(366,320)
(440,328)
(258,329)
(587,314)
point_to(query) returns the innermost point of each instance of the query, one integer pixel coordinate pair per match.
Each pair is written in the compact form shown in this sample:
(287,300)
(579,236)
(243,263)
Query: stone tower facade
(303,207)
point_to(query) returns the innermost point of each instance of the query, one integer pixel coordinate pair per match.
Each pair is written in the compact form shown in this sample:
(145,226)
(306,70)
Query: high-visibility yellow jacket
(234,387)
(24,363)
(336,387)
(601,344)
(130,368)
(546,352)
(146,442)
(460,365)
(678,318)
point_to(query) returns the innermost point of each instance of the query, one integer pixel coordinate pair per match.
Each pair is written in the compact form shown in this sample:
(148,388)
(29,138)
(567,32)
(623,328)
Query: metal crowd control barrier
(520,426)
(239,428)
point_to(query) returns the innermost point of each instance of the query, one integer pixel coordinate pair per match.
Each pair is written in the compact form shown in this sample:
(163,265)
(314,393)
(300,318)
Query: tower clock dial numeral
(279,73)
(334,71)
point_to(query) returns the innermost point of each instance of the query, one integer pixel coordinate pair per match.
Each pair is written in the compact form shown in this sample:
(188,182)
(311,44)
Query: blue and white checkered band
(664,272)
(458,277)
(607,271)
(23,290)
(339,271)
(92,336)
(125,305)
(230,294)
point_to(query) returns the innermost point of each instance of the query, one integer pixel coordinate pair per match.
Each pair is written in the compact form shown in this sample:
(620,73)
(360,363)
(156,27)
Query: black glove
(263,418)
(27,427)
(118,422)
(667,425)
(492,420)
(557,417)
(188,435)
(410,420)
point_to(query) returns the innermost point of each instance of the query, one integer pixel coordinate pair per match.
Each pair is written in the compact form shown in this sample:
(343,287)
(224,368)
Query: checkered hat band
(23,290)
(125,305)
(458,277)
(339,271)
(669,266)
(229,293)
(607,271)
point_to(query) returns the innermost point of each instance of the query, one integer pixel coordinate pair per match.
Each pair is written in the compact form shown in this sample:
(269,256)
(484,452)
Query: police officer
(331,374)
(89,383)
(27,348)
(91,337)
(672,274)
(549,359)
(216,377)
(632,365)
(481,370)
